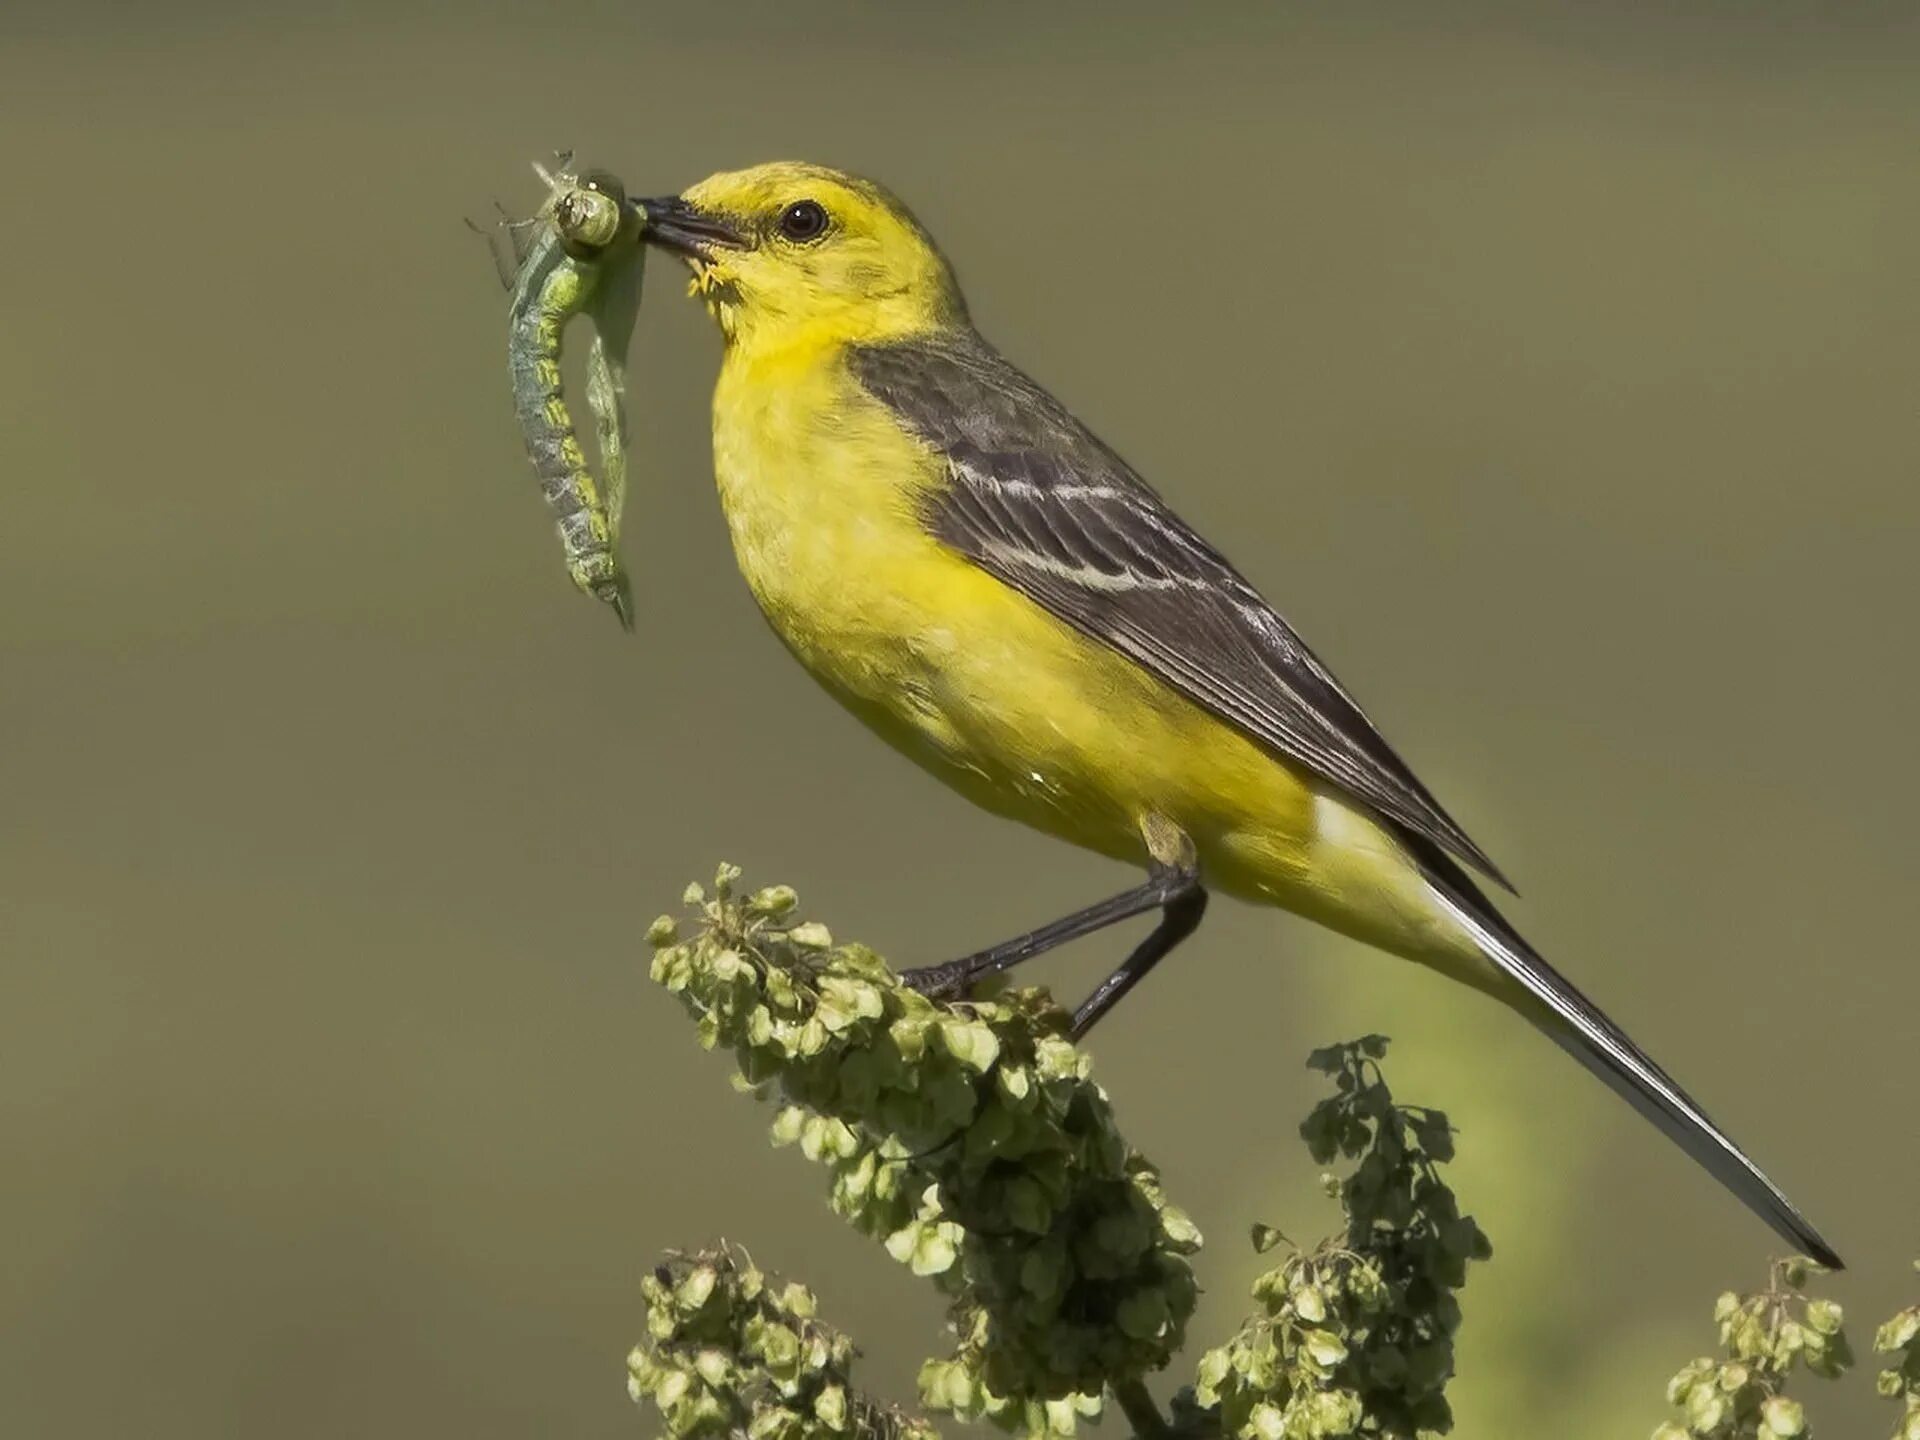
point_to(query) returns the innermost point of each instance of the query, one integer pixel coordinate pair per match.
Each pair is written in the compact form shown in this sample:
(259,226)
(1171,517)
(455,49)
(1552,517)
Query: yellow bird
(986,584)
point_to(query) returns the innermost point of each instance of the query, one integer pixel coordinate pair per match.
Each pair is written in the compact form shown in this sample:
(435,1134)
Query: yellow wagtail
(991,588)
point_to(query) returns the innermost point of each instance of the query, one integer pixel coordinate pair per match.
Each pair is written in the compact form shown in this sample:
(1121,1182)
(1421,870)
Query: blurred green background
(1553,367)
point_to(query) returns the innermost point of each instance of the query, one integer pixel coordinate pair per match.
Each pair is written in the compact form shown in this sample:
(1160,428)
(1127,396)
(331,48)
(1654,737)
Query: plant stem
(1137,1405)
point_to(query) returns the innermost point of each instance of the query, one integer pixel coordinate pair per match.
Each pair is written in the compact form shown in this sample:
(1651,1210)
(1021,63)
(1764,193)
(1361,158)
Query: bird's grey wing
(1036,500)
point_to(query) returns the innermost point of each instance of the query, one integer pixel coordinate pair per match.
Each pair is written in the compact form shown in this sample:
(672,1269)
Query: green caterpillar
(584,259)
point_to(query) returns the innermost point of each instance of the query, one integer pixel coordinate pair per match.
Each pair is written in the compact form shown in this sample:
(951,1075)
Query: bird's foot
(950,981)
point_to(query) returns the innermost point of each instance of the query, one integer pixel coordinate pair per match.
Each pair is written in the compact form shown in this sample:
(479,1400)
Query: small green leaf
(1215,1366)
(1328,1059)
(672,1386)
(1142,1314)
(1055,1059)
(1042,1271)
(936,1249)
(1706,1408)
(696,1289)
(903,1242)
(1027,1205)
(1824,1316)
(1178,1227)
(774,901)
(909,1035)
(1898,1332)
(1324,1347)
(1783,1417)
(970,1042)
(830,1407)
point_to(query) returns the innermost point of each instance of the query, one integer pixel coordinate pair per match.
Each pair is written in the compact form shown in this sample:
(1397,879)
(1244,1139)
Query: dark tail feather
(1577,1025)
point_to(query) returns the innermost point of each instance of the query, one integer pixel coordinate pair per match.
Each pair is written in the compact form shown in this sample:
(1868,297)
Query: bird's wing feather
(1036,500)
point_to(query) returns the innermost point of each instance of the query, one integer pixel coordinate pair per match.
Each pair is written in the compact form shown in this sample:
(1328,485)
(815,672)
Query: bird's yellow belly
(1019,712)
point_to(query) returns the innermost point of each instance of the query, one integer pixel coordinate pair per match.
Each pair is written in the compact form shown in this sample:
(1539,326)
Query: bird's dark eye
(803,220)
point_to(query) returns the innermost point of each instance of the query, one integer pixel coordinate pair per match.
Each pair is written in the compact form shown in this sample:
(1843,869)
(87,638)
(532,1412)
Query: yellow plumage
(822,490)
(1022,714)
(987,587)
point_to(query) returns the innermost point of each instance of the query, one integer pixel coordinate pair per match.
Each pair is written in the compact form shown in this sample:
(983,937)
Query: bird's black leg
(1161,887)
(1178,920)
(1172,887)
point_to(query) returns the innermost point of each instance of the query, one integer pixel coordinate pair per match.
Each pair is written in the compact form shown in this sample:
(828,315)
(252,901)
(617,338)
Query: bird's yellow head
(790,253)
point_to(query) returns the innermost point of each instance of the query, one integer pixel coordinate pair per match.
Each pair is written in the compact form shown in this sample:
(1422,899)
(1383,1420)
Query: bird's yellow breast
(822,490)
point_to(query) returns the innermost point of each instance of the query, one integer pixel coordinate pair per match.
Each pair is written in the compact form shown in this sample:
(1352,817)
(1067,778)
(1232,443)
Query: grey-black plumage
(1042,504)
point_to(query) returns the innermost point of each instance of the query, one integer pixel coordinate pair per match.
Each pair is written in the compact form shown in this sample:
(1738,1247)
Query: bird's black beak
(675,225)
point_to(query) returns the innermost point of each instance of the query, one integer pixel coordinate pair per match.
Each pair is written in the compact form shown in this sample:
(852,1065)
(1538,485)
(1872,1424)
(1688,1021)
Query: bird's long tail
(1579,1027)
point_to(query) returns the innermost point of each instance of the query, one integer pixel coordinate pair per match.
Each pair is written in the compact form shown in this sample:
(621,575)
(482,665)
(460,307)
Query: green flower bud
(830,1407)
(696,1289)
(1143,1315)
(773,902)
(672,1386)
(1324,1348)
(969,1042)
(1824,1316)
(1783,1417)
(1706,1408)
(1898,1332)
